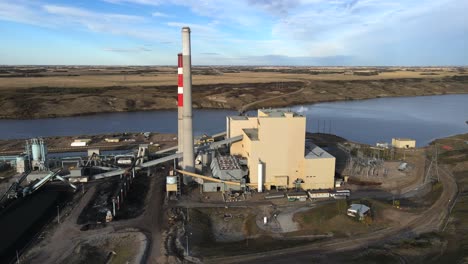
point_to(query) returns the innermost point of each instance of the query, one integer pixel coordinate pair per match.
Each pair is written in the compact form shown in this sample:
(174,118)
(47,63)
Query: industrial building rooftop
(277,113)
(252,133)
(228,163)
(239,117)
(227,168)
(313,151)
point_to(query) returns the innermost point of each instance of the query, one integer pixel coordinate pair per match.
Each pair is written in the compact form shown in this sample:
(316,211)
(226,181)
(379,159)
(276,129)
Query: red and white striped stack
(180,86)
(180,104)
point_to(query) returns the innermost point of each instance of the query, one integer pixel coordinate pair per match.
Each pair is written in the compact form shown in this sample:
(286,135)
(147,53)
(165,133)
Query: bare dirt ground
(134,240)
(54,91)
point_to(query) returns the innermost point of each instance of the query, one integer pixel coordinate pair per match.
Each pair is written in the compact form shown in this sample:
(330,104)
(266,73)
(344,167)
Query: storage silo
(21,164)
(43,150)
(36,149)
(38,154)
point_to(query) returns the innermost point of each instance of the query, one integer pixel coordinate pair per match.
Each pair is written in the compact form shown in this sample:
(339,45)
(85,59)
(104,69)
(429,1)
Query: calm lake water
(369,121)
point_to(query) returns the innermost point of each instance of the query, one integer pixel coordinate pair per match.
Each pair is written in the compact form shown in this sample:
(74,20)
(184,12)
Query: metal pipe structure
(188,156)
(180,105)
(208,178)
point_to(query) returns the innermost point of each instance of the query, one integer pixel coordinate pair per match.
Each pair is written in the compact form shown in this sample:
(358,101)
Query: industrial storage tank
(44,150)
(36,150)
(21,164)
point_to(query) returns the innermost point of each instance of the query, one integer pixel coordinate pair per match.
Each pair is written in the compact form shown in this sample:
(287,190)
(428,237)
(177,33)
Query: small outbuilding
(296,195)
(383,145)
(112,140)
(316,194)
(404,143)
(81,142)
(358,211)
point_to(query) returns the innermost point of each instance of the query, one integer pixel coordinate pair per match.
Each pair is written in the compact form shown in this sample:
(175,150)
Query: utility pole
(186,237)
(436,161)
(58,214)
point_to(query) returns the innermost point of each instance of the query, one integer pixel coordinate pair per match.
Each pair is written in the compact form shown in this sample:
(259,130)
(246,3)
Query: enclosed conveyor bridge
(167,158)
(52,175)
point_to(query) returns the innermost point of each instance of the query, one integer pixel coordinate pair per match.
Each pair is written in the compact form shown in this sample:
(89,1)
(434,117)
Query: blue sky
(241,32)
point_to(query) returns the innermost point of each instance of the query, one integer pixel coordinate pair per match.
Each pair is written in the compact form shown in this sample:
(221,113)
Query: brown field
(35,92)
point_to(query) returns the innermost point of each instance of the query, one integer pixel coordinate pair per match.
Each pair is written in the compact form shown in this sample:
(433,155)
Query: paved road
(430,220)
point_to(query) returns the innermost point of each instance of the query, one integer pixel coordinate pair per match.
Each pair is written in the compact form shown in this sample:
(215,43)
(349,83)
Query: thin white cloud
(110,23)
(276,7)
(128,50)
(198,27)
(24,12)
(230,12)
(327,28)
(61,16)
(79,14)
(159,14)
(141,2)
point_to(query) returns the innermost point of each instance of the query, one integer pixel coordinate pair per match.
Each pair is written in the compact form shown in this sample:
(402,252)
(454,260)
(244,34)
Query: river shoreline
(50,100)
(277,105)
(423,118)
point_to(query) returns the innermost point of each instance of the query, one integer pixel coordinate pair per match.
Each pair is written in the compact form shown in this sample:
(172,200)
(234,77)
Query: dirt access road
(250,105)
(430,220)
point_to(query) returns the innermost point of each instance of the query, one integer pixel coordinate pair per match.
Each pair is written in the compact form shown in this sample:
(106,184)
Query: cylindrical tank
(171,179)
(44,151)
(36,151)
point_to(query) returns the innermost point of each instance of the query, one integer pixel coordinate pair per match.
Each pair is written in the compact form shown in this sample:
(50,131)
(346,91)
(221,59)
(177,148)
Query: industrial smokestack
(180,104)
(188,156)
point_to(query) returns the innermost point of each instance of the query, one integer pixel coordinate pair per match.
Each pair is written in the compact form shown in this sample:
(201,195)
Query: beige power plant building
(277,155)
